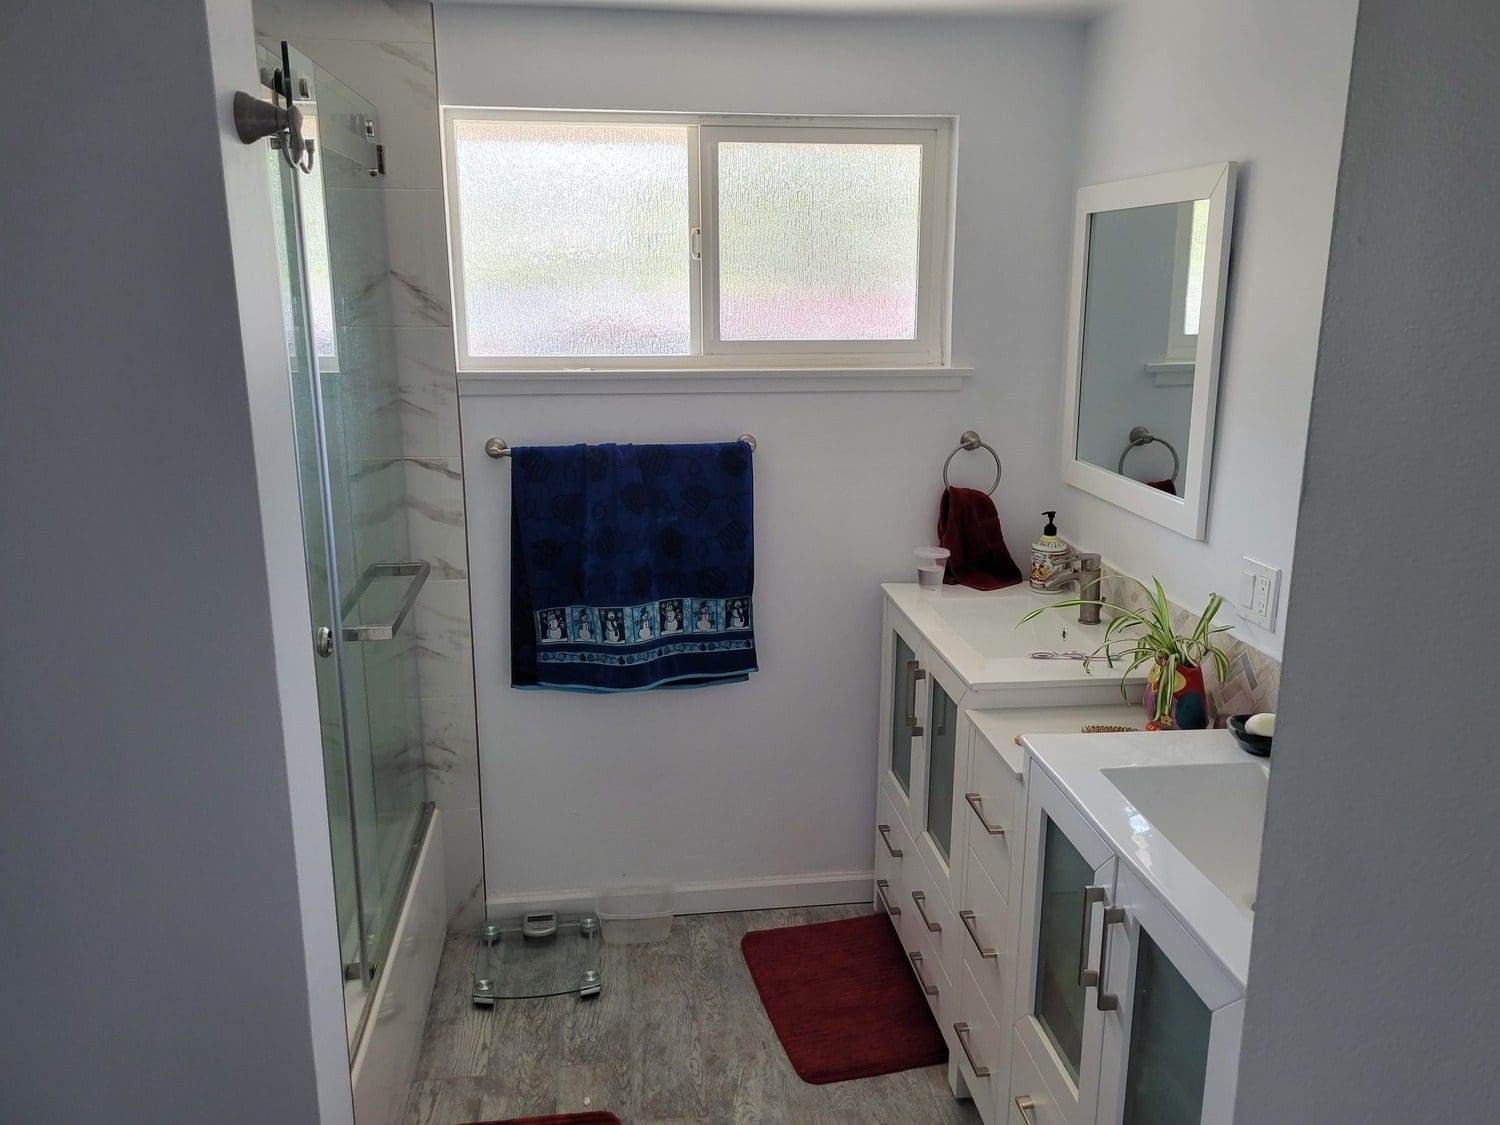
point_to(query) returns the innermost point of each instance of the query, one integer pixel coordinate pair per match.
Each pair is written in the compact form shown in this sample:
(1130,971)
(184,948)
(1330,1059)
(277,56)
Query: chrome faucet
(1084,570)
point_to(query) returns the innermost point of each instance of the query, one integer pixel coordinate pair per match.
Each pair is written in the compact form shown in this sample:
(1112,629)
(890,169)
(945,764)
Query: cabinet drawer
(980,1046)
(891,879)
(1027,1090)
(989,928)
(995,803)
(932,909)
(933,977)
(893,848)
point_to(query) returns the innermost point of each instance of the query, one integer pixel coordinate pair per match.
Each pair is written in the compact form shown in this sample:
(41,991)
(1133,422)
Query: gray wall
(1372,991)
(168,940)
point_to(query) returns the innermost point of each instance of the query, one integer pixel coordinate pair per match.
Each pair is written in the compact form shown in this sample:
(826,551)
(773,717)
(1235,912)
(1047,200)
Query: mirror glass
(1143,291)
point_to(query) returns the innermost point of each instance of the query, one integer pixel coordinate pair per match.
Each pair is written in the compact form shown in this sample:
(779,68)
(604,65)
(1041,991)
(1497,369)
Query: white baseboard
(771,892)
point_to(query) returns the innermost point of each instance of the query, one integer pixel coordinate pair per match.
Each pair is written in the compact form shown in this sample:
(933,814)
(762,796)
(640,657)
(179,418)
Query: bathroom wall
(384,52)
(1371,996)
(1175,83)
(758,793)
(169,941)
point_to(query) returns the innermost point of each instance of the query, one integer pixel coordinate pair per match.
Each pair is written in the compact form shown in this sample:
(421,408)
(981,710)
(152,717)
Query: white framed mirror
(1145,317)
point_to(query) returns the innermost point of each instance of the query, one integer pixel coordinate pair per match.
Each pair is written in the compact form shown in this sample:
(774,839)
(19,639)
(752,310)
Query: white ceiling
(850,7)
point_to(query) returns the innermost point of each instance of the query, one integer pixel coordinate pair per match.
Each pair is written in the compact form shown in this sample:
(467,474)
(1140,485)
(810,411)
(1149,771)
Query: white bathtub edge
(387,1056)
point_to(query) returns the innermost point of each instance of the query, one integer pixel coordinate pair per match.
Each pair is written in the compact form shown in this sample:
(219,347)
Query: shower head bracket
(255,118)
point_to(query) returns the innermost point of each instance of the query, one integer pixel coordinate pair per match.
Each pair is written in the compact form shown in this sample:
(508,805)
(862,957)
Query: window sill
(707,381)
(1172,372)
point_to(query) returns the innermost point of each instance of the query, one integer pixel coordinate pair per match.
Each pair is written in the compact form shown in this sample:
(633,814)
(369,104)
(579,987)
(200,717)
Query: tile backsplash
(1254,678)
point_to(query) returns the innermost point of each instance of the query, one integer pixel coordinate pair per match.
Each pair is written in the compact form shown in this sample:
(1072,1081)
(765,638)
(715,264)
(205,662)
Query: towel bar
(499,447)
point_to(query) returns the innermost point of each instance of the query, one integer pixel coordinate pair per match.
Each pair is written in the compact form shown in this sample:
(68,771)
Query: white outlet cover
(1260,591)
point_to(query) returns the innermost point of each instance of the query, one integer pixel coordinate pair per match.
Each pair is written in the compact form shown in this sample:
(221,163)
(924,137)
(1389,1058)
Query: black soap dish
(1257,744)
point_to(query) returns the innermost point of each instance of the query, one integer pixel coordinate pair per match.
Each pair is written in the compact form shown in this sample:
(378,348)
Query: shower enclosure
(362,583)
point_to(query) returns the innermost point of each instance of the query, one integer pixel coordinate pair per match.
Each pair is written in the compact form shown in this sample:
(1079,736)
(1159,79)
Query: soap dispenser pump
(1047,554)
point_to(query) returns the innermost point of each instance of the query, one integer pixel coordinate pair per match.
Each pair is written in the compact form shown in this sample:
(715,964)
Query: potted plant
(1146,636)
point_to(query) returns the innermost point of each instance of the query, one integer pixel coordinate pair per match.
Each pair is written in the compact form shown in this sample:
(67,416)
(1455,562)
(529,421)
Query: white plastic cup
(931,563)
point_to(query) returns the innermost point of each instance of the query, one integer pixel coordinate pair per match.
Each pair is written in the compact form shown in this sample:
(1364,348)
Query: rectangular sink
(989,626)
(1213,814)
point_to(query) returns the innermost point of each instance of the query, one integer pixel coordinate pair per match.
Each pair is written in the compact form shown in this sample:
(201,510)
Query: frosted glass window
(596,241)
(1192,303)
(819,241)
(574,238)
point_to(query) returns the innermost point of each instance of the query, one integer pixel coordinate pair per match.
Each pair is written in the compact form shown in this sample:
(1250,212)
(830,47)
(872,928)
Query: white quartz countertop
(1215,815)
(978,633)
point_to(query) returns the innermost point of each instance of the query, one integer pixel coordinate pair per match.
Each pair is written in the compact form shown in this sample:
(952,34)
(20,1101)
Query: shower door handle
(323,641)
(416,574)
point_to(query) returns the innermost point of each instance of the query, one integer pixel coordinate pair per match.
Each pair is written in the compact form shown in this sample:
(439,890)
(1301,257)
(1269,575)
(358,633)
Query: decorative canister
(1189,706)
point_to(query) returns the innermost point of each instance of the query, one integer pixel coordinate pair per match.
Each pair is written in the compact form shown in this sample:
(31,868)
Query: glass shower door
(362,584)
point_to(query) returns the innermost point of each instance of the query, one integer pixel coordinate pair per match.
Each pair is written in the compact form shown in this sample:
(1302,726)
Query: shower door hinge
(379,169)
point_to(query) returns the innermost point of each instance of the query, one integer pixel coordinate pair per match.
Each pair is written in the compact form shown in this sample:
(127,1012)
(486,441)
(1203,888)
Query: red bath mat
(842,999)
(560,1119)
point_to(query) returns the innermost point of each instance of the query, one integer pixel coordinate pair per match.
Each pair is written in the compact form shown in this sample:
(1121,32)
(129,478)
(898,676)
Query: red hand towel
(1167,486)
(969,527)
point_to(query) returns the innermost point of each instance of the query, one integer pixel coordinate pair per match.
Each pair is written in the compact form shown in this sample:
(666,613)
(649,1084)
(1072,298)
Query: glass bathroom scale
(521,958)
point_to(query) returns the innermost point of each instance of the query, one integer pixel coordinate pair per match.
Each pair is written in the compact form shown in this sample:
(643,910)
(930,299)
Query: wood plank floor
(677,1036)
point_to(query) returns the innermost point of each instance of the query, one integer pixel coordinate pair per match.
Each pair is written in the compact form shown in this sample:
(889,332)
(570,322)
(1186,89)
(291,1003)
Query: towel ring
(970,440)
(1140,436)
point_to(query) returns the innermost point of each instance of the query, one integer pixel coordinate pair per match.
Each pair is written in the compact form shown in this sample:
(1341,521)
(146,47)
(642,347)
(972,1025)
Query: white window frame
(930,348)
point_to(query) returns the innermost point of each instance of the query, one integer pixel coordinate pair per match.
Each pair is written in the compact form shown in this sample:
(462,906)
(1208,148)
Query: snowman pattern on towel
(667,619)
(737,613)
(671,617)
(704,617)
(554,625)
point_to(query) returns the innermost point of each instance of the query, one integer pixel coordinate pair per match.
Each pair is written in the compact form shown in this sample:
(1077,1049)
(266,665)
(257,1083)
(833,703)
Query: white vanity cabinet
(1172,1045)
(951,812)
(1123,1018)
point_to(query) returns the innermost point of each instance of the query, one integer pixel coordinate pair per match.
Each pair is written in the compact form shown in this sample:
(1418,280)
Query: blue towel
(632,566)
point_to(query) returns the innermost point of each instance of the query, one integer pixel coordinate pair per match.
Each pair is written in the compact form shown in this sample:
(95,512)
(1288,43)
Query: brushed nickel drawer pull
(1105,1001)
(967,918)
(914,675)
(885,834)
(916,967)
(1024,1106)
(962,1031)
(1087,978)
(919,898)
(976,802)
(881,886)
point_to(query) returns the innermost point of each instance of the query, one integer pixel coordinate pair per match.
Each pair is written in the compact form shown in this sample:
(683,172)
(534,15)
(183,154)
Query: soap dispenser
(1047,554)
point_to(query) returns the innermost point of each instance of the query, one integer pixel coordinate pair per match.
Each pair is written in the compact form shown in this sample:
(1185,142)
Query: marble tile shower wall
(1254,678)
(384,51)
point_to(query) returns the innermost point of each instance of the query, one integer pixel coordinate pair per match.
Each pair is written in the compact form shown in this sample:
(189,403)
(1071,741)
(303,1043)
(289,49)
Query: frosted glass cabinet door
(942,760)
(906,673)
(1171,1049)
(1069,881)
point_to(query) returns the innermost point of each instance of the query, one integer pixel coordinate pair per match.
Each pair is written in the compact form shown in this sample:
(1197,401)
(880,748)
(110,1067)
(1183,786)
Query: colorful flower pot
(1189,708)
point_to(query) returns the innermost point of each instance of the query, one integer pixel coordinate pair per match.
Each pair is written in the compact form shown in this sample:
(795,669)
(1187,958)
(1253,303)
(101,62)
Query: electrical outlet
(1259,587)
